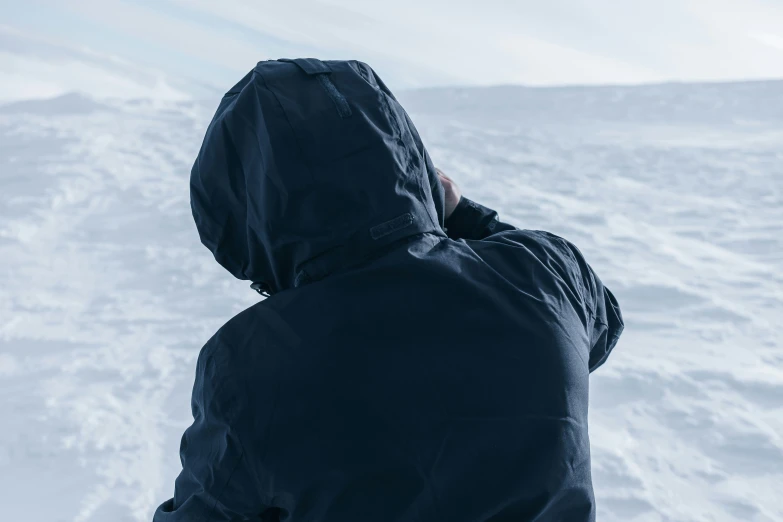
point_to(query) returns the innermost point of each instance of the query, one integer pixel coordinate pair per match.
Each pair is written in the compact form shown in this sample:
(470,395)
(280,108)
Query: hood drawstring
(261,288)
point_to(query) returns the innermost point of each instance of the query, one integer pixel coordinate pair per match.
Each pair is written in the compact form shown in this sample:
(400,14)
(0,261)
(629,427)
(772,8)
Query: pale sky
(163,47)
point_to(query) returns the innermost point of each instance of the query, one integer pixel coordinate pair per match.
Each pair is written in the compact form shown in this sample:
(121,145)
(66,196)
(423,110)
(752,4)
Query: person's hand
(453,193)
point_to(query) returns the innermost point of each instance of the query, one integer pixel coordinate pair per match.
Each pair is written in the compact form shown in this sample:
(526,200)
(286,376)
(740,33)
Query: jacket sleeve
(606,319)
(471,220)
(216,482)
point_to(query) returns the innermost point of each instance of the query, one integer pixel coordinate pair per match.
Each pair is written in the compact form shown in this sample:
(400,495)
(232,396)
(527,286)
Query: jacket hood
(309,167)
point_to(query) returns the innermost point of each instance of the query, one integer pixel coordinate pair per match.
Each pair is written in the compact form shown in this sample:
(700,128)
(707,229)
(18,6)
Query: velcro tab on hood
(310,66)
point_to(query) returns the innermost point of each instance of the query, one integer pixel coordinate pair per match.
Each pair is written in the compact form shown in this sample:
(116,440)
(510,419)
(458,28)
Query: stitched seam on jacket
(578,281)
(285,115)
(228,480)
(343,109)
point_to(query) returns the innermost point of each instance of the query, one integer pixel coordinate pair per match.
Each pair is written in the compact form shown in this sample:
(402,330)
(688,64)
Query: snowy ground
(674,194)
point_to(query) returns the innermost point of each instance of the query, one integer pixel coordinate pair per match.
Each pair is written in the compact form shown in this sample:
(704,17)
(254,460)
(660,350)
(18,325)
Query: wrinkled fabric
(406,367)
(287,187)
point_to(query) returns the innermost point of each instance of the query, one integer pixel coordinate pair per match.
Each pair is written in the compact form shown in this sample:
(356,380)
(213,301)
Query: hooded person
(407,365)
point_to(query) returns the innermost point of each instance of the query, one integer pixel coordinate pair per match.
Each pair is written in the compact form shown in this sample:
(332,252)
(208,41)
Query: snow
(674,193)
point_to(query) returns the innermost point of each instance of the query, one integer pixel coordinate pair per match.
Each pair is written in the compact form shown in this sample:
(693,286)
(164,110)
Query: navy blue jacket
(404,368)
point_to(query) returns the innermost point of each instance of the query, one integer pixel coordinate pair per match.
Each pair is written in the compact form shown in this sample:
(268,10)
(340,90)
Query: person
(416,358)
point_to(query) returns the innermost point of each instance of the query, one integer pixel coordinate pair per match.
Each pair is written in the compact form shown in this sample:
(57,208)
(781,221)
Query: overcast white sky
(151,47)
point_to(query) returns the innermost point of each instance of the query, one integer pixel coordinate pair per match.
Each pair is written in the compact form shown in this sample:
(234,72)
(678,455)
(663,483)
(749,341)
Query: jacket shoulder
(538,242)
(527,253)
(256,338)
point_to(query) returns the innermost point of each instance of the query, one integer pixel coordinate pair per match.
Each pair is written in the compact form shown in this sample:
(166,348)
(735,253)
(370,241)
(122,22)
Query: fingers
(441,174)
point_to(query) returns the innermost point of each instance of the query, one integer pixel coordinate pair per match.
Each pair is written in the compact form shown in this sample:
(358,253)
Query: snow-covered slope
(673,192)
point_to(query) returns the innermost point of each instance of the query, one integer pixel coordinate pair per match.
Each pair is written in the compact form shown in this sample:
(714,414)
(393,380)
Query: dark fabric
(404,368)
(471,220)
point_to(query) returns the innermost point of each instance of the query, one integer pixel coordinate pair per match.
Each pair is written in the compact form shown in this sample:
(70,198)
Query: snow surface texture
(674,193)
